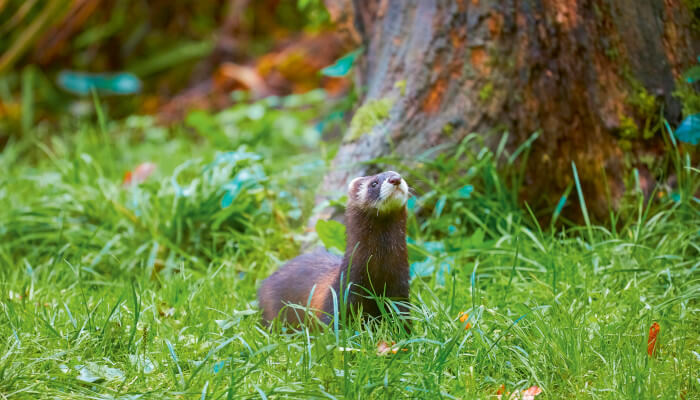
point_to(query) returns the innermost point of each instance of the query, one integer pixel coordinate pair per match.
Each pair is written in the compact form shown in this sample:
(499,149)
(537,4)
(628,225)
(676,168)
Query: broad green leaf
(693,74)
(82,83)
(689,130)
(411,203)
(332,234)
(343,65)
(466,191)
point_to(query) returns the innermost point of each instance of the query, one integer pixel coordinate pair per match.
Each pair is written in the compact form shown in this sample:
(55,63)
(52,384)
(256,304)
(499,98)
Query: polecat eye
(374,184)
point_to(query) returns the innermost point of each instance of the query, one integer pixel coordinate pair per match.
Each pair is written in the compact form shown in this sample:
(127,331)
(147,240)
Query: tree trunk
(584,73)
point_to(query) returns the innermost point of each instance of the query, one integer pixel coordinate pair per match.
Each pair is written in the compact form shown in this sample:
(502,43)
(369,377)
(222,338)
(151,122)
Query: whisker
(413,191)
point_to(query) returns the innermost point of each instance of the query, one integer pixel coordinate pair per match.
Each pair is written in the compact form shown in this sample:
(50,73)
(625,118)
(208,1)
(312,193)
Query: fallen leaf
(139,174)
(384,348)
(165,311)
(86,375)
(232,76)
(92,372)
(531,392)
(651,343)
(463,317)
(527,394)
(143,363)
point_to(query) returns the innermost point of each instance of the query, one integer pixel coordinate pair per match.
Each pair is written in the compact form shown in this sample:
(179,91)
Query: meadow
(145,287)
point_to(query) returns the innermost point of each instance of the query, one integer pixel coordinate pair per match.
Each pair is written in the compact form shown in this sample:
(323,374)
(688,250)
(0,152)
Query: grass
(119,292)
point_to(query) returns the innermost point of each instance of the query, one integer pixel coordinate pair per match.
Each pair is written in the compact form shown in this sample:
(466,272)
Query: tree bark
(577,71)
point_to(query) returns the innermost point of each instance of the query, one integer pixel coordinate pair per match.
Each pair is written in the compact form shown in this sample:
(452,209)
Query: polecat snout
(375,261)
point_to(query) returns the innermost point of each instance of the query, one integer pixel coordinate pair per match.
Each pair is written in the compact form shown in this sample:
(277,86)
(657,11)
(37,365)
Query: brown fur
(292,284)
(375,259)
(376,253)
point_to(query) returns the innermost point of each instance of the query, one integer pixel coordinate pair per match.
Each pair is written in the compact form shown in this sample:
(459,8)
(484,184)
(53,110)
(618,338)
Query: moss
(628,128)
(401,85)
(368,116)
(625,144)
(645,108)
(643,101)
(612,53)
(650,161)
(447,129)
(693,8)
(486,92)
(692,4)
(598,11)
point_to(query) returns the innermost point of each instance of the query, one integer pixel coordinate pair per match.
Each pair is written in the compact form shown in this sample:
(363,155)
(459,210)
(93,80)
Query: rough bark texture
(575,70)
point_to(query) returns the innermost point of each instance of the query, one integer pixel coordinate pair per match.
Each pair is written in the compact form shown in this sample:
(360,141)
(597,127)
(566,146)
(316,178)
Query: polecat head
(384,192)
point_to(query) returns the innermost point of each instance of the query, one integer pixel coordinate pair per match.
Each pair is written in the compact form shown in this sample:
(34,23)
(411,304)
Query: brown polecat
(375,260)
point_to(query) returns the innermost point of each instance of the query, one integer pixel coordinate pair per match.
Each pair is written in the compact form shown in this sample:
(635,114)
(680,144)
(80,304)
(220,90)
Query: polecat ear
(352,187)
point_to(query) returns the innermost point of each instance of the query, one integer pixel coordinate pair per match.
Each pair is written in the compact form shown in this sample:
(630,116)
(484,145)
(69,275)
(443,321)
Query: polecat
(375,260)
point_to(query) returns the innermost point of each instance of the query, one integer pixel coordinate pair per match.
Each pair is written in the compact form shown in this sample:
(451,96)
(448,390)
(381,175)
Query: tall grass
(109,291)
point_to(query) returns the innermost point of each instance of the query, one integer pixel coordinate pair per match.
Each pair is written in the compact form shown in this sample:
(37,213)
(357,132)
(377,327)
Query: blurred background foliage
(186,54)
(271,75)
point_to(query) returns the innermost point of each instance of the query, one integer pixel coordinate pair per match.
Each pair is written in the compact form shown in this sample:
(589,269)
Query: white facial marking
(404,187)
(386,190)
(391,196)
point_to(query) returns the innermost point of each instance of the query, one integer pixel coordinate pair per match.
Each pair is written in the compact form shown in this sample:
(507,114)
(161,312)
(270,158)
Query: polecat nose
(395,179)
